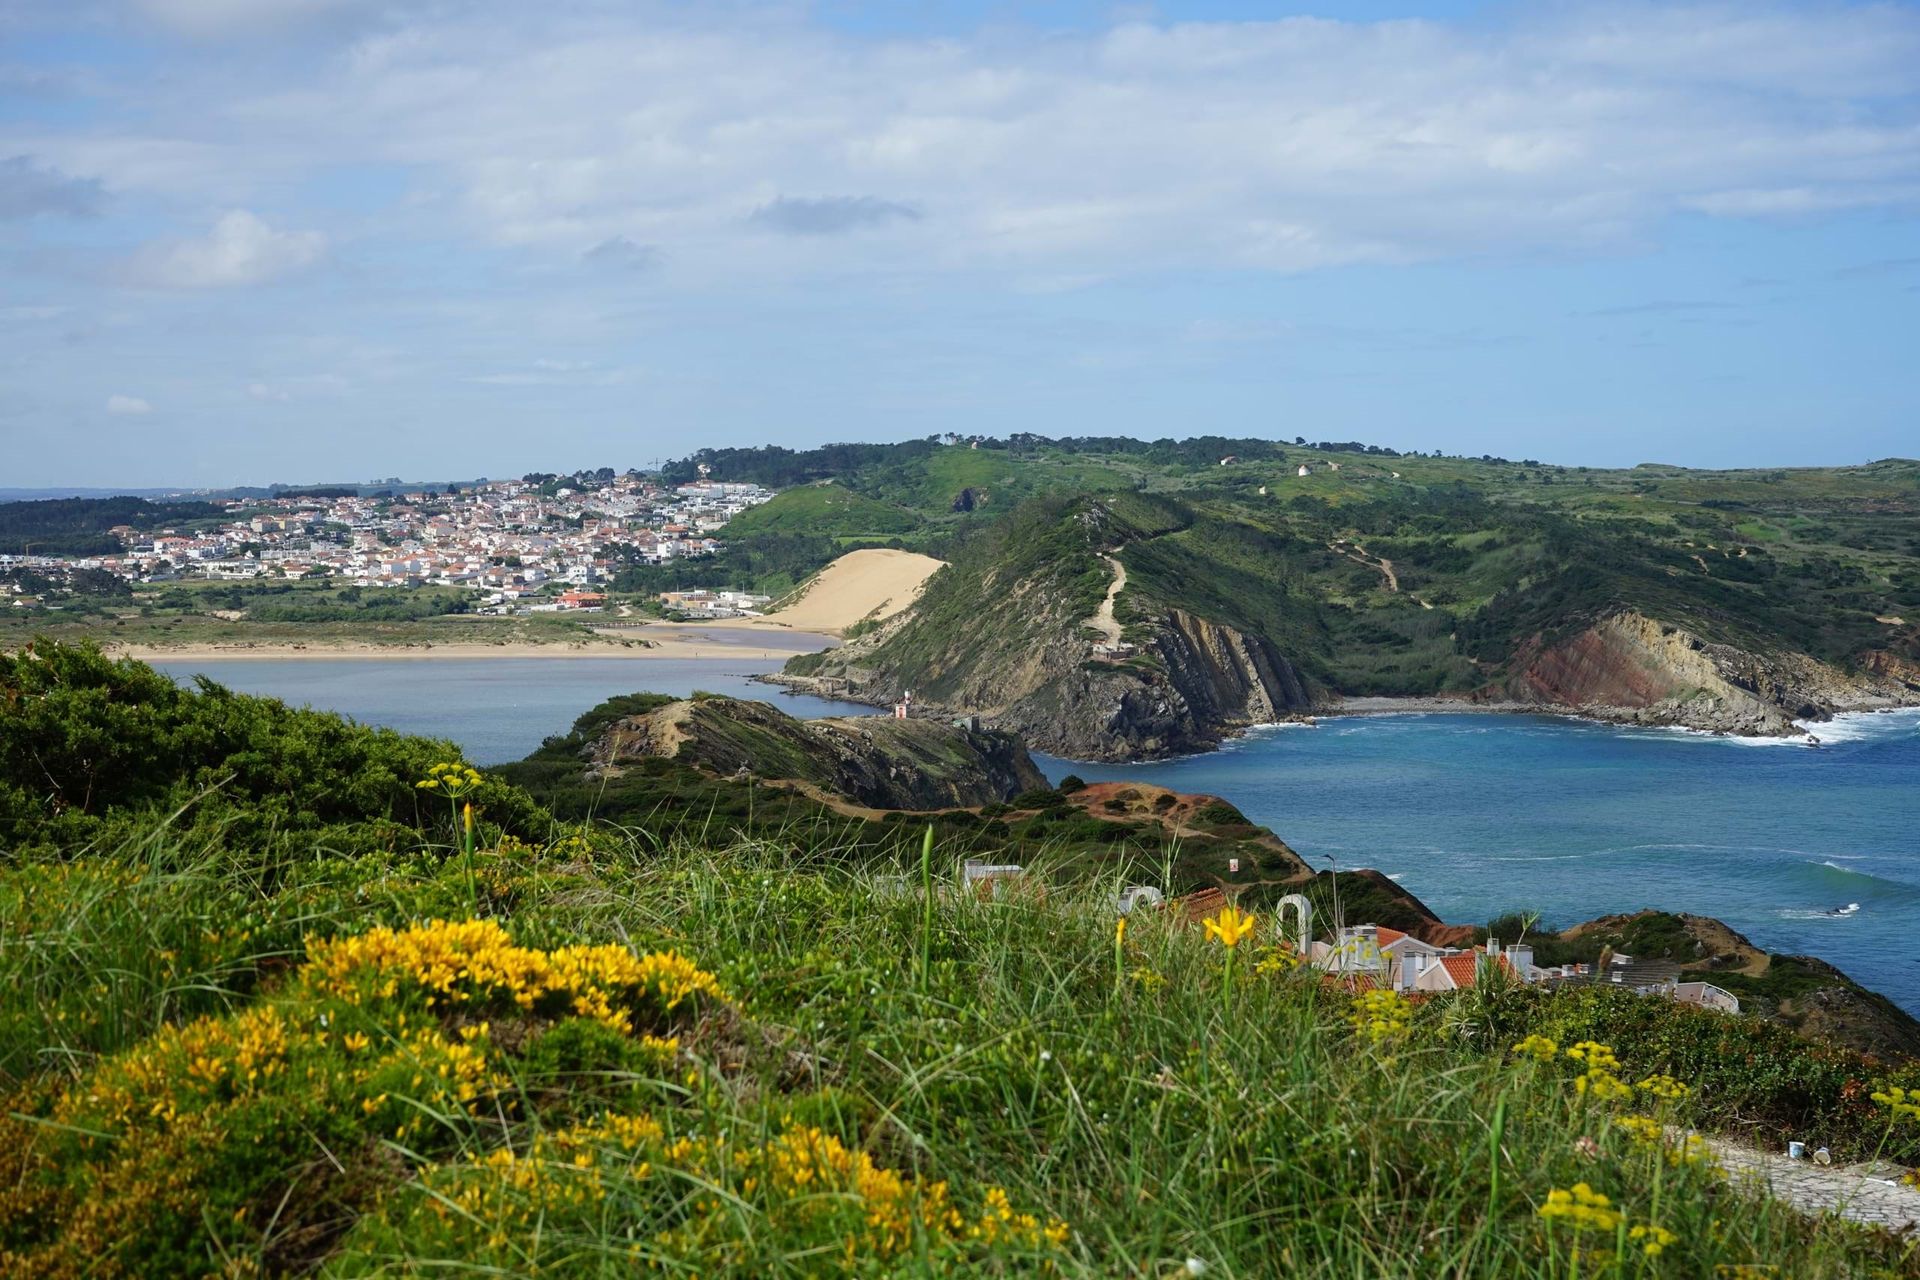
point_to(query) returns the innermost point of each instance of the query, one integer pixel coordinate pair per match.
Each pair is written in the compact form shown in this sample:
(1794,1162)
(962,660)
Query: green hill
(824,510)
(1740,601)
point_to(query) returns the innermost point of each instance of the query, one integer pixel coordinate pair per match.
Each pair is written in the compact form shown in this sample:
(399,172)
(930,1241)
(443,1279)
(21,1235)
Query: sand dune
(872,582)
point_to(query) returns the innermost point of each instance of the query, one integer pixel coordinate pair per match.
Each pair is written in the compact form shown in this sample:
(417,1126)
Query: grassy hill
(585,1048)
(825,510)
(1386,574)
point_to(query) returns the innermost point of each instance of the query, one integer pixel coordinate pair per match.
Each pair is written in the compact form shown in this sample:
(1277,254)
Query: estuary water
(496,709)
(1804,850)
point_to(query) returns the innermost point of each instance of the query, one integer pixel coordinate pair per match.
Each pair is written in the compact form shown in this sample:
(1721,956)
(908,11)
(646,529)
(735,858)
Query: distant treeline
(78,526)
(779,468)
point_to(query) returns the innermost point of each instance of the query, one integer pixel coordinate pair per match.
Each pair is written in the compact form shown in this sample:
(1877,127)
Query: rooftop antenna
(1339,915)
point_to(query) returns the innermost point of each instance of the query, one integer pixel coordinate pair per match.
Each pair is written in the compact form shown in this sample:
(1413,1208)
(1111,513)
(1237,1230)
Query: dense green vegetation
(78,526)
(739,1052)
(828,510)
(89,745)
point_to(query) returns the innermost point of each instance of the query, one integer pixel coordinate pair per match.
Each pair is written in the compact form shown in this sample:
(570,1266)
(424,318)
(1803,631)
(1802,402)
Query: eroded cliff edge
(1633,669)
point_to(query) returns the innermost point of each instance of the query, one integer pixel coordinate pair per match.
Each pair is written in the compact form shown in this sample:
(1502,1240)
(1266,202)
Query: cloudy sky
(300,240)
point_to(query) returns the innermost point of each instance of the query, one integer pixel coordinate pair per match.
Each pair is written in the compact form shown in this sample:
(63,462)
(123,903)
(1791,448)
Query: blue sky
(299,240)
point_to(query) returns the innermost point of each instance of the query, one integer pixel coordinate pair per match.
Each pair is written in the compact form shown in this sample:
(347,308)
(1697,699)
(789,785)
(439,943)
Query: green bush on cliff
(87,742)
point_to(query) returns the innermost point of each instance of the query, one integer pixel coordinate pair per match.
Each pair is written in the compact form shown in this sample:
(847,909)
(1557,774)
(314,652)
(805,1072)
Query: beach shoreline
(659,641)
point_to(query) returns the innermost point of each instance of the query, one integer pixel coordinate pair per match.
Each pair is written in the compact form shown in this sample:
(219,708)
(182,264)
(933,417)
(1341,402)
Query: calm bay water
(1476,814)
(497,709)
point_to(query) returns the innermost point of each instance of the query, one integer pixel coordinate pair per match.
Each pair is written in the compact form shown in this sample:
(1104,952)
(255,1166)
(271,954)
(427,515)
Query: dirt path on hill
(1103,620)
(1380,564)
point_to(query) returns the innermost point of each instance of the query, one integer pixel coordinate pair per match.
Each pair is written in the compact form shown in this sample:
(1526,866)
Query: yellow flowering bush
(473,966)
(1280,958)
(702,1202)
(182,1148)
(1644,1130)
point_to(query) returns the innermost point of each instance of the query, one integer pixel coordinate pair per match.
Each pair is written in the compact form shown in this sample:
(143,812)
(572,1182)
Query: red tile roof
(1461,968)
(1387,937)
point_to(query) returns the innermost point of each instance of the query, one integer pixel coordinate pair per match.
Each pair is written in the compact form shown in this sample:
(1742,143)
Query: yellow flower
(1581,1207)
(1380,1015)
(1900,1103)
(1597,1056)
(1231,926)
(1119,931)
(1539,1048)
(1664,1087)
(1653,1239)
(1644,1129)
(1601,1085)
(451,779)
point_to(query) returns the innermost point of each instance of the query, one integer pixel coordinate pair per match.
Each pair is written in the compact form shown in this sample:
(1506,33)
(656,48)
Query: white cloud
(655,136)
(240,250)
(1286,144)
(214,19)
(128,405)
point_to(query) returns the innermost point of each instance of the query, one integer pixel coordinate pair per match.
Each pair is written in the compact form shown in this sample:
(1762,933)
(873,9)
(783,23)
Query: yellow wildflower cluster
(711,1199)
(1277,959)
(451,779)
(1693,1150)
(1900,1103)
(474,964)
(1663,1087)
(1581,1207)
(1381,1015)
(1539,1048)
(1594,1056)
(1644,1130)
(1652,1240)
(1599,1080)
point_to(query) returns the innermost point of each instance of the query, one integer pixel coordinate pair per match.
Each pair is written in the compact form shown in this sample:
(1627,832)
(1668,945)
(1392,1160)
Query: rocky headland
(873,761)
(1633,669)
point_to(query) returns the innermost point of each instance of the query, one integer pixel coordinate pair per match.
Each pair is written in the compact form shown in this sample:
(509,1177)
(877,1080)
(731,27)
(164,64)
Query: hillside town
(510,538)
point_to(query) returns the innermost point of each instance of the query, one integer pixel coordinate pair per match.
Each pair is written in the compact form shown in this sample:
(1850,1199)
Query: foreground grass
(827,1080)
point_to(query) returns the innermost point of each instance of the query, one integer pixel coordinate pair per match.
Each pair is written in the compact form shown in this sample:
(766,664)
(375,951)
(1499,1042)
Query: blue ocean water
(1476,814)
(497,709)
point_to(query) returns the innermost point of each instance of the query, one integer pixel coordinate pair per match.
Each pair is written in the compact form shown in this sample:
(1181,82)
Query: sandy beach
(655,641)
(872,583)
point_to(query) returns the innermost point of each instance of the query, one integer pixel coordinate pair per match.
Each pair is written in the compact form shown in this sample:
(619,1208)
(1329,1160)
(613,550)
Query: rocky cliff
(874,761)
(1630,668)
(1186,684)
